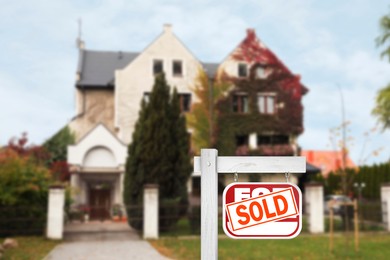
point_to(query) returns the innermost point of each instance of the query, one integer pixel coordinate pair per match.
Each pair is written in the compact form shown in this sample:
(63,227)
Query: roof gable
(253,51)
(99,136)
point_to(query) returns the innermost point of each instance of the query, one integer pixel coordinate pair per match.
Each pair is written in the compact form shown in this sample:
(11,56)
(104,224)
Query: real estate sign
(262,210)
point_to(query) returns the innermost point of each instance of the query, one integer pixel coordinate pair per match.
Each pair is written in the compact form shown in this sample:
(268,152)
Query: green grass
(183,228)
(373,246)
(30,248)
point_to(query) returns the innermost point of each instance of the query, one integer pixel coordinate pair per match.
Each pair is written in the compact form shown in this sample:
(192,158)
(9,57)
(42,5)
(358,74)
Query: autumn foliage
(254,52)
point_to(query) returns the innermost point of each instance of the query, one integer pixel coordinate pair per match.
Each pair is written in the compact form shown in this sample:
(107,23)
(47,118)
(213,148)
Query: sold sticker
(262,210)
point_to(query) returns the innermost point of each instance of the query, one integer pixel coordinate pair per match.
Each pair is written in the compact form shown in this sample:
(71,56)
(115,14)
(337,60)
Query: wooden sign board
(261,210)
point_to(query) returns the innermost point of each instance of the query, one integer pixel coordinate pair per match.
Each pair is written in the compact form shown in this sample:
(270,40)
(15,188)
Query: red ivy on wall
(253,51)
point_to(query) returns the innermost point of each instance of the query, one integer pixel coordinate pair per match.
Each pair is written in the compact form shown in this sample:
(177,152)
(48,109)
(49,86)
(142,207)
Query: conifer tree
(159,152)
(181,160)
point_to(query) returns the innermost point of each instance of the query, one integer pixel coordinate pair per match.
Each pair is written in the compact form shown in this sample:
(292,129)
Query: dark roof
(97,68)
(211,69)
(310,168)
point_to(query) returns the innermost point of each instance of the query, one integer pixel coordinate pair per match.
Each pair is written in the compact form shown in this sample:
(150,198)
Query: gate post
(55,212)
(385,201)
(314,207)
(150,222)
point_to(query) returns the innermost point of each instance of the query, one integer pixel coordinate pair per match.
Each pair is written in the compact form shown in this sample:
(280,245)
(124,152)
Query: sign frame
(298,201)
(209,165)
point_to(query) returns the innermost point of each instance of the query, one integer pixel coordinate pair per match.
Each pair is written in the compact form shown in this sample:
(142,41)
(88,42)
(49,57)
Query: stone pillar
(55,212)
(385,200)
(253,141)
(314,207)
(150,218)
(75,184)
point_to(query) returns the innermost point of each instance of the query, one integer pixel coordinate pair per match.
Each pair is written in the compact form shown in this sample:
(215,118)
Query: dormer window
(266,103)
(242,70)
(177,68)
(158,66)
(240,103)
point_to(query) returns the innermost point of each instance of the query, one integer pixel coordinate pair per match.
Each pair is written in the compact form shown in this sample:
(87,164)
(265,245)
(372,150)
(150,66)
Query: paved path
(99,250)
(97,240)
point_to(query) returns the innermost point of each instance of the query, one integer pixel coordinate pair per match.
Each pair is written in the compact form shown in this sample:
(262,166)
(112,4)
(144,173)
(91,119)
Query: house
(110,86)
(327,161)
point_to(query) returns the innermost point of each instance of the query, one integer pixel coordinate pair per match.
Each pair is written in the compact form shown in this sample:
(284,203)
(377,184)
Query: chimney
(80,44)
(167,28)
(250,32)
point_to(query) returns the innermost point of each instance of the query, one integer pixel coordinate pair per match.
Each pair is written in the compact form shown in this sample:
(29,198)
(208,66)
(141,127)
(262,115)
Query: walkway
(107,240)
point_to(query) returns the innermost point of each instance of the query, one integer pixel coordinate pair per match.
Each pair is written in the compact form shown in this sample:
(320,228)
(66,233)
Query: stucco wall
(99,108)
(137,78)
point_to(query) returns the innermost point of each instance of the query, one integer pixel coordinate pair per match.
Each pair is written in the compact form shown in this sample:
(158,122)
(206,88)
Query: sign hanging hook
(236,177)
(287,175)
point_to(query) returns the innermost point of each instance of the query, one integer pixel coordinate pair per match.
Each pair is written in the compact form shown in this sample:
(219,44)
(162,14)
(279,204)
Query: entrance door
(99,200)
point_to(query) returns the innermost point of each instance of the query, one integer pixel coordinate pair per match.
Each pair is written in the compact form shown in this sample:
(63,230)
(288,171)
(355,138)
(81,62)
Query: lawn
(30,248)
(372,246)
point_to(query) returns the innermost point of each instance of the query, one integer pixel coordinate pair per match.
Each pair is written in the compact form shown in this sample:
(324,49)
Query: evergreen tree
(159,151)
(180,159)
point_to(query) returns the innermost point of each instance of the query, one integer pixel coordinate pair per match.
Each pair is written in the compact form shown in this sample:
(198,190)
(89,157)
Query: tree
(158,153)
(203,116)
(384,38)
(24,182)
(57,145)
(382,108)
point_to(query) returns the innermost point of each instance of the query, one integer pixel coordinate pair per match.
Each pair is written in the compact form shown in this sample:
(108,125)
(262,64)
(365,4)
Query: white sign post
(209,165)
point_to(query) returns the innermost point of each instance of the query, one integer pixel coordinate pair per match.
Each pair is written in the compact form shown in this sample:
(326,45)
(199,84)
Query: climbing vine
(288,118)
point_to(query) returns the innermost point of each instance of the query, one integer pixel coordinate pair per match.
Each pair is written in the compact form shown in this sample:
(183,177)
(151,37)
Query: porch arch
(99,156)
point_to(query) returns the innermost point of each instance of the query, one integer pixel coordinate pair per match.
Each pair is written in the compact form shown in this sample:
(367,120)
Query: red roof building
(327,161)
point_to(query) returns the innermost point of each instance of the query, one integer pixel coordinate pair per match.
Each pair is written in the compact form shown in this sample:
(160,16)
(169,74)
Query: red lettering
(285,205)
(242,214)
(258,218)
(267,213)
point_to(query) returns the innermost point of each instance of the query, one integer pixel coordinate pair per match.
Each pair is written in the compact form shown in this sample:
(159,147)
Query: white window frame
(263,108)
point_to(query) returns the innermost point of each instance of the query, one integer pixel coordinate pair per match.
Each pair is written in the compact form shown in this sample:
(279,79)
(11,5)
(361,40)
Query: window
(146,97)
(242,140)
(272,139)
(260,73)
(177,68)
(157,66)
(240,103)
(242,70)
(185,102)
(266,103)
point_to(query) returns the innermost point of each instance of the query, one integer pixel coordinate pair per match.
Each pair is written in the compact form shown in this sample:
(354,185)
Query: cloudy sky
(331,44)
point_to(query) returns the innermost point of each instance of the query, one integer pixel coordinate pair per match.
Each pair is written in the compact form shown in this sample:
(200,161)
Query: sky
(331,44)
